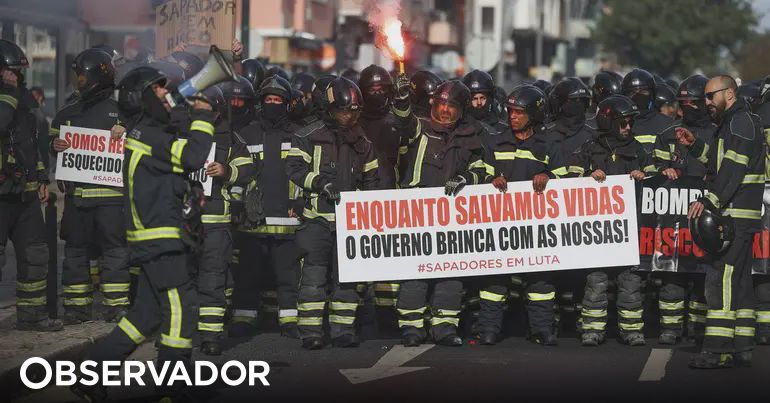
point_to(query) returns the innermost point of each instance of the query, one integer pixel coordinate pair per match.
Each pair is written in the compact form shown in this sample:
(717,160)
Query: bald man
(736,185)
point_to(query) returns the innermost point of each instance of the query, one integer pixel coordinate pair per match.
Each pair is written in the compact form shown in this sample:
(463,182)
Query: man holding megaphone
(157,162)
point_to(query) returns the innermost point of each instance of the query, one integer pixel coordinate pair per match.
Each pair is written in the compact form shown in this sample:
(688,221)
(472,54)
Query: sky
(762,7)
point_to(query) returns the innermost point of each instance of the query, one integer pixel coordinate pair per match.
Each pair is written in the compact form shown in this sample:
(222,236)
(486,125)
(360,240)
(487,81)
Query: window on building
(39,44)
(487,20)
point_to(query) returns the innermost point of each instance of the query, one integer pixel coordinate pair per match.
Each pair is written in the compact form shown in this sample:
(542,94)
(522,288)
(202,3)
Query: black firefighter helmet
(11,56)
(693,88)
(711,231)
(531,100)
(343,101)
(375,75)
(422,86)
(566,89)
(133,85)
(254,71)
(613,110)
(479,81)
(606,83)
(95,65)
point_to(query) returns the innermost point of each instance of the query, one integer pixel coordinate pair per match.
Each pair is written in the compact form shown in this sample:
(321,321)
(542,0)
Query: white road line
(388,365)
(655,368)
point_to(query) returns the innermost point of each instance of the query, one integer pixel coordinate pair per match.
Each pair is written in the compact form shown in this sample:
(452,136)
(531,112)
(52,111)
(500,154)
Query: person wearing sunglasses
(613,152)
(735,189)
(639,85)
(673,161)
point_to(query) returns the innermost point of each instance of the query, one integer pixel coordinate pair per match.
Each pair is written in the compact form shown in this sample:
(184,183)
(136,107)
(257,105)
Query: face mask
(574,108)
(154,107)
(642,101)
(376,104)
(692,115)
(273,112)
(479,113)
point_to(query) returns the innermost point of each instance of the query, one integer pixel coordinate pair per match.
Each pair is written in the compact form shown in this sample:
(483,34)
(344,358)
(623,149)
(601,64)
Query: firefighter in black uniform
(267,242)
(427,160)
(92,212)
(567,131)
(23,185)
(762,281)
(302,108)
(639,85)
(421,88)
(240,98)
(157,164)
(673,161)
(378,123)
(483,106)
(232,166)
(735,190)
(665,101)
(605,83)
(614,152)
(520,154)
(316,153)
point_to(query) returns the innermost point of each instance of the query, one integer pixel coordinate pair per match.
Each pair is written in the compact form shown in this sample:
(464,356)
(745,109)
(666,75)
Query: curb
(72,346)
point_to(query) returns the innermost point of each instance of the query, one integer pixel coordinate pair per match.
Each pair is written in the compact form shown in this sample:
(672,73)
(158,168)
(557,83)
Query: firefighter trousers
(540,296)
(317,244)
(629,301)
(213,263)
(445,305)
(255,253)
(105,226)
(164,301)
(21,221)
(674,302)
(730,298)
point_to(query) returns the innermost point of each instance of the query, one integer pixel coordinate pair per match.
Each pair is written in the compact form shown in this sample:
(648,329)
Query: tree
(753,61)
(674,36)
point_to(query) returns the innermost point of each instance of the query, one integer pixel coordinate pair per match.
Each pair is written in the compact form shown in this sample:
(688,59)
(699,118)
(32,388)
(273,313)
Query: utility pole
(539,34)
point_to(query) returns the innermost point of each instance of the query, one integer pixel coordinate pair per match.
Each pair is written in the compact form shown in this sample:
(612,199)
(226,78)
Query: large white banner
(93,157)
(423,234)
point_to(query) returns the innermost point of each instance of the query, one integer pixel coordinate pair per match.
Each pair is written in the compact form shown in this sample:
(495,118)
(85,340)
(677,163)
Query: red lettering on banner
(553,207)
(761,246)
(646,237)
(404,218)
(462,213)
(116,146)
(350,216)
(619,207)
(667,240)
(523,206)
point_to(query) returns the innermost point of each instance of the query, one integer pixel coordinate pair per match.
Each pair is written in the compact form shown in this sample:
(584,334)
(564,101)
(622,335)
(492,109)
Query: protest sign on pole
(93,157)
(204,23)
(423,234)
(200,174)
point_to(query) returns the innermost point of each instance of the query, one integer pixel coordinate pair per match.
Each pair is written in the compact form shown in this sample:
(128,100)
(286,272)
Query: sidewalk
(16,346)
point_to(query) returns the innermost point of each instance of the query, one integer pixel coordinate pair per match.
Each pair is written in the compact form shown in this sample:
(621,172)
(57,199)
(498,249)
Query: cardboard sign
(194,22)
(423,234)
(200,175)
(93,157)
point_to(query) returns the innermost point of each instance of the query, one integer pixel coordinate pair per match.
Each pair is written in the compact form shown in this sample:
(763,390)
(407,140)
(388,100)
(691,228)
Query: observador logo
(134,373)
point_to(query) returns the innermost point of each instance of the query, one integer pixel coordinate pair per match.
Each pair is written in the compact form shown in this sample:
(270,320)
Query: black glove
(454,185)
(403,84)
(330,192)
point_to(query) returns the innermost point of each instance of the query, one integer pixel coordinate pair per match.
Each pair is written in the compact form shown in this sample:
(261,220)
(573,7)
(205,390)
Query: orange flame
(395,42)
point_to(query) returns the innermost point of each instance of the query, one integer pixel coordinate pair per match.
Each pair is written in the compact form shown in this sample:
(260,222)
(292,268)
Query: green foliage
(674,36)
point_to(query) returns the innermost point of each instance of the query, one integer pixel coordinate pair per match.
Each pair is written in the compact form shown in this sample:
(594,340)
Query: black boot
(411,340)
(211,348)
(707,360)
(452,340)
(312,343)
(545,338)
(45,325)
(488,338)
(345,341)
(290,330)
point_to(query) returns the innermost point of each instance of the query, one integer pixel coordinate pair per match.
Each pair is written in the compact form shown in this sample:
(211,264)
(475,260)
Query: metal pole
(539,36)
(501,64)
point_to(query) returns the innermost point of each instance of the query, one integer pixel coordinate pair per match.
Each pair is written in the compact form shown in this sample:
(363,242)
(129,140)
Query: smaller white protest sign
(200,175)
(93,157)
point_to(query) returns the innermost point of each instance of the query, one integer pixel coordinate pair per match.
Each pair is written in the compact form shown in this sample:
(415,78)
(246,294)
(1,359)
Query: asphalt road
(515,369)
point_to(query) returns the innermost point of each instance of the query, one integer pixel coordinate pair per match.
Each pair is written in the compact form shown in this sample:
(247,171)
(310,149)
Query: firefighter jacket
(738,161)
(269,145)
(764,113)
(611,155)
(380,129)
(322,153)
(429,158)
(97,112)
(668,153)
(157,164)
(564,138)
(648,126)
(230,151)
(520,160)
(21,167)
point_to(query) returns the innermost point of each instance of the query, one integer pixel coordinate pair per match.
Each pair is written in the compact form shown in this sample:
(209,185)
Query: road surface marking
(388,365)
(655,368)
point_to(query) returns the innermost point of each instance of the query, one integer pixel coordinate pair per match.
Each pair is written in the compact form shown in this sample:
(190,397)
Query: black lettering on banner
(199,176)
(597,232)
(350,247)
(515,238)
(391,245)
